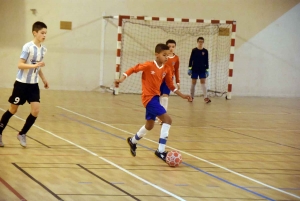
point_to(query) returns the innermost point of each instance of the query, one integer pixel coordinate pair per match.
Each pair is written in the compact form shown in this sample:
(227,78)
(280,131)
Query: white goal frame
(187,20)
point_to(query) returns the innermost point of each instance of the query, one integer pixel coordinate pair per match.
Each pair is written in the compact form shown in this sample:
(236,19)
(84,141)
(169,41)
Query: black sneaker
(162,155)
(132,147)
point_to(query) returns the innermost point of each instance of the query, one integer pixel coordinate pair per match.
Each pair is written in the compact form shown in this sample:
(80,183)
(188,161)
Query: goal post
(138,36)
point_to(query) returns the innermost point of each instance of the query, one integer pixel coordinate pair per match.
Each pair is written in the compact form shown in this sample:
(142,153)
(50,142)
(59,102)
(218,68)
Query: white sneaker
(22,139)
(1,143)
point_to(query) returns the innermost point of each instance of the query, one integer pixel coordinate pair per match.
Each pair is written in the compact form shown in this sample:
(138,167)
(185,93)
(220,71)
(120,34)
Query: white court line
(234,128)
(104,159)
(214,164)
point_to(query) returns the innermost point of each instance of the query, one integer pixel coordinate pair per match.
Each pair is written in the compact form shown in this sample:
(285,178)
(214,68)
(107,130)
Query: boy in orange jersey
(173,61)
(154,72)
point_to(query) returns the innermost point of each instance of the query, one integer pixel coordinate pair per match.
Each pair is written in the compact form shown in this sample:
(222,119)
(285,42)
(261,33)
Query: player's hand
(118,81)
(178,86)
(46,84)
(207,73)
(188,97)
(40,64)
(190,71)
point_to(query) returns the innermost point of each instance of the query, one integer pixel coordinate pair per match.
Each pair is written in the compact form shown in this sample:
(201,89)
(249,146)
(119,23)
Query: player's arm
(23,65)
(41,74)
(171,86)
(207,64)
(191,59)
(207,60)
(176,67)
(191,63)
(135,69)
(184,96)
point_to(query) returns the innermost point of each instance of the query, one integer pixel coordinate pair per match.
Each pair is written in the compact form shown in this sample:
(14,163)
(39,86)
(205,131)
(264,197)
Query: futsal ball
(173,158)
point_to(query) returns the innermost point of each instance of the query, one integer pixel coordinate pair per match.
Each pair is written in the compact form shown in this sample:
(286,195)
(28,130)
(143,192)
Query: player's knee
(149,126)
(13,110)
(35,112)
(167,120)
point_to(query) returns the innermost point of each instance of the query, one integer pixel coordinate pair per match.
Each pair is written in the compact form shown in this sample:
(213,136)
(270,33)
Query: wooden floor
(243,149)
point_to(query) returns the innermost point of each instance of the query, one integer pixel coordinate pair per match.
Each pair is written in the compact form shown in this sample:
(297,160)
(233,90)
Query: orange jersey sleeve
(174,62)
(169,77)
(152,78)
(135,69)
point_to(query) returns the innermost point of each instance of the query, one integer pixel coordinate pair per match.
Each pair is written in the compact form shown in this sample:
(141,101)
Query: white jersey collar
(158,65)
(172,56)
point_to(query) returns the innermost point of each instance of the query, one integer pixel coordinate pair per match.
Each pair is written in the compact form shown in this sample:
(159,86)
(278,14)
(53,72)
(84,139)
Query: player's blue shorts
(154,109)
(195,75)
(164,89)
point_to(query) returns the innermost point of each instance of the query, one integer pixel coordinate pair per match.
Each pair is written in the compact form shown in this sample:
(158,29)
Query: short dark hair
(161,47)
(171,41)
(38,26)
(200,38)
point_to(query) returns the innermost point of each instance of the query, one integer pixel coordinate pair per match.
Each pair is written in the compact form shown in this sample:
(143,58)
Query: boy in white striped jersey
(26,85)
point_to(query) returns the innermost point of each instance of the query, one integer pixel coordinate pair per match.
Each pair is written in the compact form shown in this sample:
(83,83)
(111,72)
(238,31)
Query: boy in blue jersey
(199,68)
(26,85)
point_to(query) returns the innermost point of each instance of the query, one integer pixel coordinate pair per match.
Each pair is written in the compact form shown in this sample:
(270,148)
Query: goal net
(140,36)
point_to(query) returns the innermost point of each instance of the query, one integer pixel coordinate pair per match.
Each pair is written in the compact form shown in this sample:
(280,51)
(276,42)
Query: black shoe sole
(133,153)
(159,157)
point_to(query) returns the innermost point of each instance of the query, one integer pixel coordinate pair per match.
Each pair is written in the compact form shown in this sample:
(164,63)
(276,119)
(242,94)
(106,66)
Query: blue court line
(191,166)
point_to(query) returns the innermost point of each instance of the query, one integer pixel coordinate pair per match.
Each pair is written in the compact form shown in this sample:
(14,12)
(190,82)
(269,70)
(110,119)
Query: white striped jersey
(32,54)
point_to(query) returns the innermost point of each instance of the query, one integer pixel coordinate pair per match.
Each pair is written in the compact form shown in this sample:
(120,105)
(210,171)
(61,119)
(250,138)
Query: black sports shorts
(23,92)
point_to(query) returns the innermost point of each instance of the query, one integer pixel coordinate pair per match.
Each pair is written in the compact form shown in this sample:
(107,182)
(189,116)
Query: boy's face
(40,35)
(162,57)
(172,47)
(200,43)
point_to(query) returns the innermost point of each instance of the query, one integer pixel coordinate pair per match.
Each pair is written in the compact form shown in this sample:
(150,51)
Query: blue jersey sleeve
(25,52)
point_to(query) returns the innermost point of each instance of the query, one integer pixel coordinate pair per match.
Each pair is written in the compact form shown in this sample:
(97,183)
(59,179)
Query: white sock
(193,90)
(141,133)
(164,133)
(164,102)
(203,86)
